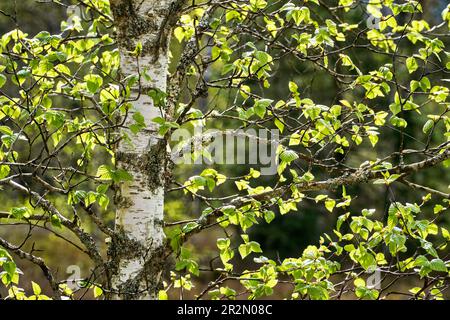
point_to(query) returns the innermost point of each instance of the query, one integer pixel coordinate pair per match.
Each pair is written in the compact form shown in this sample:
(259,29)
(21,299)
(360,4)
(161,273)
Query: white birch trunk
(140,204)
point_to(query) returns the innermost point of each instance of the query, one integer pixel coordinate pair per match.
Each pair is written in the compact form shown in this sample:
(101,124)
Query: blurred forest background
(286,236)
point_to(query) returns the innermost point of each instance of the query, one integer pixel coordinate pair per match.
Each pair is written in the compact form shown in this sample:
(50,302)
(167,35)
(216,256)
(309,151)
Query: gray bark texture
(136,252)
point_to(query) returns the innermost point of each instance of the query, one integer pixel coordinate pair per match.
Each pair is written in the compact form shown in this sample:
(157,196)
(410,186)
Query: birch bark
(135,254)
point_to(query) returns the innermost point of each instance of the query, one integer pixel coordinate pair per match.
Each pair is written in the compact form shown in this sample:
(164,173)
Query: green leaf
(428,126)
(162,295)
(36,288)
(223,243)
(2,80)
(158,96)
(366,293)
(6,130)
(104,173)
(20,212)
(261,106)
(411,64)
(55,221)
(4,171)
(311,252)
(122,175)
(258,4)
(269,216)
(279,125)
(10,268)
(330,204)
(246,248)
(189,227)
(22,75)
(288,156)
(97,291)
(374,9)
(293,87)
(438,208)
(368,261)
(359,282)
(438,265)
(313,111)
(93,82)
(179,34)
(254,246)
(398,122)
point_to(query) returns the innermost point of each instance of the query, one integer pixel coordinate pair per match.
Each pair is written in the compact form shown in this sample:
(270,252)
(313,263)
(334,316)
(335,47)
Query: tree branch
(36,260)
(47,206)
(361,175)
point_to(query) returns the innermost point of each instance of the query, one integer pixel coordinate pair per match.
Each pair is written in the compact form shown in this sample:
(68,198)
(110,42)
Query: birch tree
(143,35)
(339,107)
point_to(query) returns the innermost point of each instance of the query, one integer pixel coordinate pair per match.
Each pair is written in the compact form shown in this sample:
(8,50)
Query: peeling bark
(135,252)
